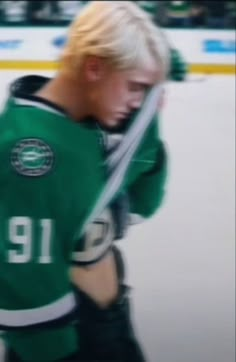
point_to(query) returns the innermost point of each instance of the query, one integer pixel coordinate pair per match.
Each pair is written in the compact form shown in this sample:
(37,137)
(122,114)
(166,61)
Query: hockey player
(56,136)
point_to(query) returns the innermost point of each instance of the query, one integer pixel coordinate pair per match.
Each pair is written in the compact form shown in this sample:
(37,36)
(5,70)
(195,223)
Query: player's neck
(67,94)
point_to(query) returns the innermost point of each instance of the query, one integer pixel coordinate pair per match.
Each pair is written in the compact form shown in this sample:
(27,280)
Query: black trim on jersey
(26,86)
(44,102)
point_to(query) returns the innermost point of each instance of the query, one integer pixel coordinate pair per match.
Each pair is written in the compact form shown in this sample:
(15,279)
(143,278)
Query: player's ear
(94,68)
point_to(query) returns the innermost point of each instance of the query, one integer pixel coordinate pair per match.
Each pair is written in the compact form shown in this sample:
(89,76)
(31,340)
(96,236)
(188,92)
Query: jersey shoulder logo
(32,157)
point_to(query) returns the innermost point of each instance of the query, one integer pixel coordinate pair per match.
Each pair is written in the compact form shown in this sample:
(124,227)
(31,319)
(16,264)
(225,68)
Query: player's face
(115,94)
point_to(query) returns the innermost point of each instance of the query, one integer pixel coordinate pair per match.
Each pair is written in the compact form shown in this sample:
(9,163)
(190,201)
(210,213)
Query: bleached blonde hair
(118,31)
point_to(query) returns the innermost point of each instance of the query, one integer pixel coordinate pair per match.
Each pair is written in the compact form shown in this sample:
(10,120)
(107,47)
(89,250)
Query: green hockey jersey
(52,174)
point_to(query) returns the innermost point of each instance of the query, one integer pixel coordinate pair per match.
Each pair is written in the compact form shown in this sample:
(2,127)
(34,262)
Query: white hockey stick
(120,160)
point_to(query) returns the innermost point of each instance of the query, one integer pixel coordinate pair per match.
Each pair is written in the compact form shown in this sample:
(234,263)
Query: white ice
(180,263)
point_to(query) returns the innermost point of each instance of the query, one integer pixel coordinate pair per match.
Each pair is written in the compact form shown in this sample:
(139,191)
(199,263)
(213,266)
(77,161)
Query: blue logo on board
(10,44)
(219,46)
(59,41)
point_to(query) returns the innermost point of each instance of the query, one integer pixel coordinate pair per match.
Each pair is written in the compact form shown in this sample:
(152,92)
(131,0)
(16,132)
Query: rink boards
(25,48)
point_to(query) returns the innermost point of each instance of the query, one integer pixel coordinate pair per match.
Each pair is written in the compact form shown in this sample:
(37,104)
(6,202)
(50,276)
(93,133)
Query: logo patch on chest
(32,157)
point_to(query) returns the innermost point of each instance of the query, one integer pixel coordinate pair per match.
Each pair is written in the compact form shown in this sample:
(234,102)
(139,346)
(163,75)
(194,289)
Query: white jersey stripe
(36,104)
(47,313)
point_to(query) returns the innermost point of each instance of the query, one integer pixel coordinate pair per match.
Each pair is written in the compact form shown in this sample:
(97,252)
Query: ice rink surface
(181,262)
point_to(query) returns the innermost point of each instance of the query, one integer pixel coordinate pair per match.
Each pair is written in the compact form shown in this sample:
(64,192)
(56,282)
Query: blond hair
(118,31)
